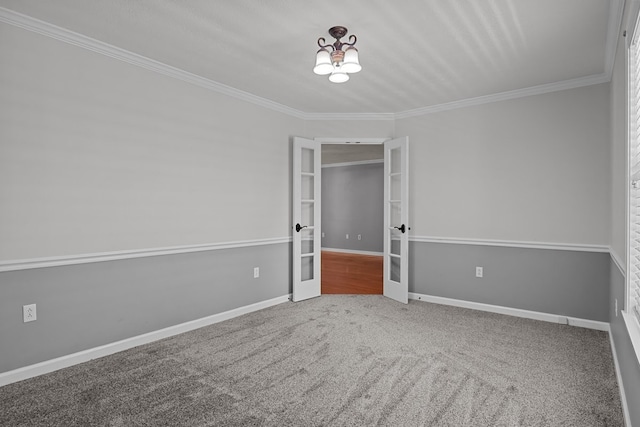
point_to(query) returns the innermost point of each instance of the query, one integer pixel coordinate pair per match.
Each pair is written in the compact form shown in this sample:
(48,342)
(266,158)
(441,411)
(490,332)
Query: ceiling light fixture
(338,63)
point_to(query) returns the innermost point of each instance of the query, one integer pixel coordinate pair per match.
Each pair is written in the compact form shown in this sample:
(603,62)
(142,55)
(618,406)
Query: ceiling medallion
(338,63)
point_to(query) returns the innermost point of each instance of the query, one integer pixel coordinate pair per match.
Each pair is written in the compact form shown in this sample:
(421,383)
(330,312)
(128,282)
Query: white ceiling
(415,54)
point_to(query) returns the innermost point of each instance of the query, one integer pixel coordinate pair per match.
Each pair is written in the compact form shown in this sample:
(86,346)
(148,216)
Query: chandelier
(337,63)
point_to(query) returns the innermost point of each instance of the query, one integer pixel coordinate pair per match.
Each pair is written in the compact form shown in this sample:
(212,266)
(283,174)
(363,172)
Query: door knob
(299,227)
(401,228)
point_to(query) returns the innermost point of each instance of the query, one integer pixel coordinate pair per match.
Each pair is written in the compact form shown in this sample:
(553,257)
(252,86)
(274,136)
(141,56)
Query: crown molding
(358,163)
(350,116)
(616,10)
(67,36)
(504,96)
(616,13)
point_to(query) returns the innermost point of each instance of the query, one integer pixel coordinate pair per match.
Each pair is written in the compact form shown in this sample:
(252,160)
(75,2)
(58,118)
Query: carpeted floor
(339,361)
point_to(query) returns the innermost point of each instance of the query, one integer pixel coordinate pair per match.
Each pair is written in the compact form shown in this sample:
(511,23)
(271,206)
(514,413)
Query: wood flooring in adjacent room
(344,273)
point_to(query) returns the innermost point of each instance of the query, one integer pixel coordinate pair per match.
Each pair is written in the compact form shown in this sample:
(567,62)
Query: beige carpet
(339,361)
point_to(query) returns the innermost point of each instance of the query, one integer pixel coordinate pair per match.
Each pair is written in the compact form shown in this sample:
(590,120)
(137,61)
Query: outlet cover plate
(29,313)
(479,271)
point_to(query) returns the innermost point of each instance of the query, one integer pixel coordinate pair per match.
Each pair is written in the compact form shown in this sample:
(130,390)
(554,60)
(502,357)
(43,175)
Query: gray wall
(629,367)
(531,169)
(84,306)
(352,203)
(98,155)
(618,201)
(568,283)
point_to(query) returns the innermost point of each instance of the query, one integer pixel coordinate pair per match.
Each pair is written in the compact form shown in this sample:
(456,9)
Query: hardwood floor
(351,273)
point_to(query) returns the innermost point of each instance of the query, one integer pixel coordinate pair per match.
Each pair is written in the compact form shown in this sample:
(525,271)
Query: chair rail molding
(25,264)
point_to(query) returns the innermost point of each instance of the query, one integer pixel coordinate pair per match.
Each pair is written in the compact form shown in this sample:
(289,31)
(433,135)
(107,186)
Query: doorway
(306,217)
(352,218)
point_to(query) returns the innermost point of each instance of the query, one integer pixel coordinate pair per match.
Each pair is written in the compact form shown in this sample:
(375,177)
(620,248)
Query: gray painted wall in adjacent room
(352,203)
(84,306)
(567,283)
(627,362)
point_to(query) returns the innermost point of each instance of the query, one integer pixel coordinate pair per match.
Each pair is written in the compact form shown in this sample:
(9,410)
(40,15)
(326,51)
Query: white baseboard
(107,349)
(536,315)
(352,251)
(623,396)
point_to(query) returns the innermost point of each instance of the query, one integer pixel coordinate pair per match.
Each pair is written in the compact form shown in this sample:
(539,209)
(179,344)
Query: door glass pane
(307,214)
(306,271)
(394,269)
(394,186)
(307,187)
(394,244)
(306,241)
(395,160)
(307,160)
(394,214)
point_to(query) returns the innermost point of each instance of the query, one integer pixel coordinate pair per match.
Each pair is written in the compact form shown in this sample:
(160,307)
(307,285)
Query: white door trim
(342,140)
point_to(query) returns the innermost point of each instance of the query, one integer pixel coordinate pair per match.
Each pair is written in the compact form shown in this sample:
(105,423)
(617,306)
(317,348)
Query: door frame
(355,141)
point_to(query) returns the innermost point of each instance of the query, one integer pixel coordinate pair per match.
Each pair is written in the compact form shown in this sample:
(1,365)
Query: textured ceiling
(414,53)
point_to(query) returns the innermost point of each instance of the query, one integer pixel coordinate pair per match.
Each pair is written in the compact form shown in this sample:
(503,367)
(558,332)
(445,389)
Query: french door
(396,219)
(306,219)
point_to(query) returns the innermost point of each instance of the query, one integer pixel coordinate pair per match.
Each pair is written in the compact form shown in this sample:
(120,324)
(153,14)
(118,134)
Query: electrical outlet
(323,234)
(347,237)
(479,271)
(359,236)
(256,272)
(29,313)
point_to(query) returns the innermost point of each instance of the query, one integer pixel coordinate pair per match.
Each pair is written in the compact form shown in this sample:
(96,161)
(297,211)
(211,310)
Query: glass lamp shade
(323,63)
(338,76)
(351,63)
